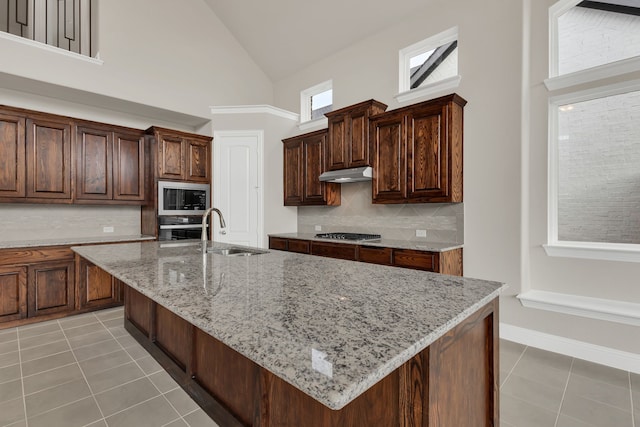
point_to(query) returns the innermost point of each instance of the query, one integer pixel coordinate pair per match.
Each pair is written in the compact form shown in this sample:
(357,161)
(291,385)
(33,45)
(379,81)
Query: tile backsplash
(444,222)
(20,221)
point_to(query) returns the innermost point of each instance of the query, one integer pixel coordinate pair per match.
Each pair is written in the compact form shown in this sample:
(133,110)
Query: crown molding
(254,109)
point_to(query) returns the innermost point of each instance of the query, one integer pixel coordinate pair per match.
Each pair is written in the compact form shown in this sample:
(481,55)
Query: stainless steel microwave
(182,198)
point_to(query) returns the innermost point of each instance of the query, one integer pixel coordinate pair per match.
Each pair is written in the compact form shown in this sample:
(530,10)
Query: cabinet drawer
(375,255)
(334,250)
(33,256)
(300,246)
(415,259)
(278,243)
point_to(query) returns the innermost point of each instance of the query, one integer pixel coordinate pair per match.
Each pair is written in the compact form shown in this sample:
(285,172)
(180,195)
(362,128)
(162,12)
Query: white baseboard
(591,352)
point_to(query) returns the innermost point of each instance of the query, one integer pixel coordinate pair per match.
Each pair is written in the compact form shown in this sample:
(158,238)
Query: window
(64,24)
(316,101)
(594,132)
(429,66)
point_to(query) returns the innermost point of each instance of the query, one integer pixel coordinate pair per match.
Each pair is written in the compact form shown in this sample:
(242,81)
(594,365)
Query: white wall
(166,54)
(502,241)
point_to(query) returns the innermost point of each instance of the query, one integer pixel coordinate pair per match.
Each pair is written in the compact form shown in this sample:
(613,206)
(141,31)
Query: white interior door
(237,186)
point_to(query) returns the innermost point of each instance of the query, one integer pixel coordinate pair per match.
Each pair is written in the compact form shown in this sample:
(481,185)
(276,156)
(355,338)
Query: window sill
(316,123)
(599,251)
(589,75)
(429,90)
(49,48)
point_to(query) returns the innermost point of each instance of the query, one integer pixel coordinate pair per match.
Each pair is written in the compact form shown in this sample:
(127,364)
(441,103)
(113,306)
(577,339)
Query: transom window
(315,101)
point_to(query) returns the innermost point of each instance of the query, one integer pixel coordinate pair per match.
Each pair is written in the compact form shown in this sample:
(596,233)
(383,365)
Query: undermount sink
(235,251)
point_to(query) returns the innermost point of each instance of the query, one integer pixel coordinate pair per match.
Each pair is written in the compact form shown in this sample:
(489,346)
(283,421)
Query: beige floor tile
(137,352)
(635,382)
(534,392)
(127,341)
(9,347)
(10,390)
(149,365)
(104,362)
(8,359)
(46,363)
(10,373)
(105,380)
(44,350)
(163,381)
(118,331)
(601,373)
(38,329)
(100,423)
(110,313)
(83,330)
(7,335)
(95,350)
(596,413)
(177,423)
(199,419)
(536,371)
(11,411)
(181,401)
(510,353)
(523,414)
(152,413)
(79,320)
(52,378)
(599,391)
(89,339)
(41,340)
(54,397)
(76,414)
(125,396)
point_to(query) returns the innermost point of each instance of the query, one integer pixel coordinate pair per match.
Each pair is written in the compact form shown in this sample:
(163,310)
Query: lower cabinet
(51,288)
(96,287)
(447,262)
(42,283)
(13,293)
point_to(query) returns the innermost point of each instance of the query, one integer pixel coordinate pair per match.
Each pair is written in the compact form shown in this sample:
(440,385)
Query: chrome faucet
(204,223)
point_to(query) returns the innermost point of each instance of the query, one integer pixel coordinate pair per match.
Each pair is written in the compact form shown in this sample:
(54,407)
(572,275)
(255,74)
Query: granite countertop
(386,243)
(61,241)
(332,328)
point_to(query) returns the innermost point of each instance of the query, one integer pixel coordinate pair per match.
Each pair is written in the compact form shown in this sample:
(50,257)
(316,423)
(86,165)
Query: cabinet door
(93,163)
(337,142)
(314,189)
(358,146)
(198,160)
(334,250)
(418,260)
(375,255)
(51,288)
(170,157)
(278,243)
(389,158)
(96,287)
(128,166)
(12,152)
(427,153)
(48,159)
(13,293)
(293,169)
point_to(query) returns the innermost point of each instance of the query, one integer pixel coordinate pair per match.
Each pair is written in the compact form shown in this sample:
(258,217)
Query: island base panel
(453,382)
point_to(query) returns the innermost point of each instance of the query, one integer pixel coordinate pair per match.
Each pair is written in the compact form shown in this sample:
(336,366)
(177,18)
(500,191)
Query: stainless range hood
(348,175)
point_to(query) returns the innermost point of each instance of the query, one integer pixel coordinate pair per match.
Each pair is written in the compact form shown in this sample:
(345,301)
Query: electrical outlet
(107,229)
(421,233)
(318,228)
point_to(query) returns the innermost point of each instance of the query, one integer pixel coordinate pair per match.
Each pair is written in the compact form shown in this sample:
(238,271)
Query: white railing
(65,24)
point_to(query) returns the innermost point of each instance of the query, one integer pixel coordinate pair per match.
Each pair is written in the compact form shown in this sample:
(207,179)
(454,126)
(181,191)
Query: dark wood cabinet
(447,262)
(304,162)
(48,158)
(417,152)
(13,293)
(109,164)
(51,287)
(94,165)
(96,287)
(12,156)
(334,250)
(182,156)
(348,138)
(129,157)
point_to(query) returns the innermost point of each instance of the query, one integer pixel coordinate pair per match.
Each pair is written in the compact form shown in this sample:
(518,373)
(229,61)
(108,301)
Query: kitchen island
(284,339)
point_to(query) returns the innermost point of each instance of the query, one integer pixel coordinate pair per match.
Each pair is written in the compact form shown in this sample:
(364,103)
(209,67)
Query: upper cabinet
(109,163)
(304,161)
(46,158)
(12,156)
(182,156)
(348,139)
(417,152)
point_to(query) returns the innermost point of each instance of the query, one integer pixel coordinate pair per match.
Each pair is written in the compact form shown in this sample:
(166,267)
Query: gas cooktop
(348,236)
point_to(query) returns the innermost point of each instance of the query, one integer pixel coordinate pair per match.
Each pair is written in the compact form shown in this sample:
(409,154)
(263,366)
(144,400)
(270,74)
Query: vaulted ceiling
(285,36)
